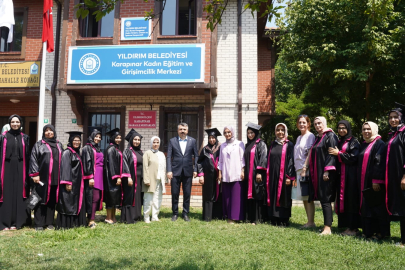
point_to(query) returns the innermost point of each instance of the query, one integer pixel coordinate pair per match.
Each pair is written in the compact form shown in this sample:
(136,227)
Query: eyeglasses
(302,115)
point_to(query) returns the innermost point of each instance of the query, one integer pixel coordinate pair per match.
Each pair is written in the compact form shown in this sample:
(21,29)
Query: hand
(91,183)
(147,184)
(288,182)
(36,179)
(68,188)
(333,151)
(326,176)
(259,178)
(303,173)
(294,183)
(194,174)
(219,179)
(130,182)
(242,175)
(201,180)
(376,187)
(403,183)
(118,181)
(170,175)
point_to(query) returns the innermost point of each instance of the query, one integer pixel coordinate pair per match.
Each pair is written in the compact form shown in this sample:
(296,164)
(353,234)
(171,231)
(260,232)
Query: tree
(345,57)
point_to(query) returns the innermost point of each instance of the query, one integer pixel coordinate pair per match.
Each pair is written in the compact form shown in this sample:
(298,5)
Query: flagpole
(41,108)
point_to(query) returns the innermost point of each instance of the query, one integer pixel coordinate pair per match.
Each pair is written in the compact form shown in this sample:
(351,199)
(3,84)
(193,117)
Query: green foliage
(99,8)
(197,245)
(331,50)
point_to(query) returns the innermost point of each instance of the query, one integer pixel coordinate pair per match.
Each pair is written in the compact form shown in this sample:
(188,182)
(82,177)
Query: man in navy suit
(181,169)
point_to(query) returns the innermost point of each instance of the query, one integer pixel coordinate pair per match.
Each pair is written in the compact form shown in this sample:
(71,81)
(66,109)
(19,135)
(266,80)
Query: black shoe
(50,227)
(174,217)
(186,218)
(39,228)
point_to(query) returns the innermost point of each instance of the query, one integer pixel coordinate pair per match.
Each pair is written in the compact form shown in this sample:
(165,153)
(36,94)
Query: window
(178,17)
(89,27)
(172,121)
(104,122)
(16,44)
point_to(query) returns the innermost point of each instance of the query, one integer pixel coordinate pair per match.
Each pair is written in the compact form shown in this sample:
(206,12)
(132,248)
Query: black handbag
(304,185)
(33,199)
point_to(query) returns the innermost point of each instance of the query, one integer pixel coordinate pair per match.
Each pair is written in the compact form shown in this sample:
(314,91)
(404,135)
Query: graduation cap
(92,129)
(115,131)
(213,132)
(132,133)
(73,134)
(253,126)
(400,106)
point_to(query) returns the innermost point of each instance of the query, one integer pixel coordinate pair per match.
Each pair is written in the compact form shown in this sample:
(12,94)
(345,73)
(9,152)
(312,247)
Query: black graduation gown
(348,193)
(132,200)
(42,163)
(211,191)
(14,185)
(368,171)
(71,205)
(89,157)
(113,169)
(283,209)
(321,161)
(255,193)
(395,196)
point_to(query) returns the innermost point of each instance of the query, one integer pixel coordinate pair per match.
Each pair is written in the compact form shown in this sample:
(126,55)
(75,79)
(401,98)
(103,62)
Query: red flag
(47,25)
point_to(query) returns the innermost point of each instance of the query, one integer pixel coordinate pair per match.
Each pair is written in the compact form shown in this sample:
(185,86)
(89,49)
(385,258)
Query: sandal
(13,228)
(92,226)
(109,222)
(6,229)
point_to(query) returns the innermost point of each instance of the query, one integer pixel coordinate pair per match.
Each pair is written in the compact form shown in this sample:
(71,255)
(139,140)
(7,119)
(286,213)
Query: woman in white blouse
(301,149)
(154,179)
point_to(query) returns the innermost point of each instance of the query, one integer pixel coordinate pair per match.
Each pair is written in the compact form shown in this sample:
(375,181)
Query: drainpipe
(240,70)
(56,62)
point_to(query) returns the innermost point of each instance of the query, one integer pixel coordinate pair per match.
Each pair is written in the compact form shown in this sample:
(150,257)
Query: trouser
(373,226)
(95,202)
(186,182)
(327,213)
(44,215)
(152,202)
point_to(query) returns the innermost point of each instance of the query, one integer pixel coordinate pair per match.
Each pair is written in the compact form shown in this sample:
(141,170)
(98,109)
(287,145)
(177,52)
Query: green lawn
(196,245)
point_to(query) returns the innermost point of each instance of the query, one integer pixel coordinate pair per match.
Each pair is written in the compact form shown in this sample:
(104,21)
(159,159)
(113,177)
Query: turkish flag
(47,25)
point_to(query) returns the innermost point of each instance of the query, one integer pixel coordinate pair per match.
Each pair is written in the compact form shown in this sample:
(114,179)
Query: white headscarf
(283,140)
(325,126)
(151,143)
(374,131)
(232,139)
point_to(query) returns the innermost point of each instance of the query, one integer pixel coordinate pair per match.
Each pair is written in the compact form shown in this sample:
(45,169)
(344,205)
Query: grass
(197,245)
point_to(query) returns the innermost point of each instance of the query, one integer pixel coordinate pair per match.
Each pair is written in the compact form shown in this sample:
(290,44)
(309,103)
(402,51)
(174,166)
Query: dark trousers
(44,215)
(327,213)
(186,182)
(373,226)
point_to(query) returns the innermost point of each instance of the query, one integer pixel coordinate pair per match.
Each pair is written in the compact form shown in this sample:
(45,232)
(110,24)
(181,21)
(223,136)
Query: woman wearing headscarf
(301,150)
(93,160)
(255,173)
(231,172)
(348,194)
(322,169)
(208,173)
(131,211)
(154,179)
(114,170)
(71,197)
(395,169)
(280,175)
(370,176)
(44,170)
(14,185)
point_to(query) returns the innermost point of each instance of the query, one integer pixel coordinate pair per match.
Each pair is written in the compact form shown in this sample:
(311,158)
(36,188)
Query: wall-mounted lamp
(14,100)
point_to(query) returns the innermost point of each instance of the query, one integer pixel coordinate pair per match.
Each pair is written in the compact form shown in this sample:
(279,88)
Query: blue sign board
(135,29)
(136,64)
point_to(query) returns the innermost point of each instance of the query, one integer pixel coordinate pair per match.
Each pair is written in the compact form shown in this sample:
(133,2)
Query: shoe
(13,228)
(186,219)
(109,222)
(92,225)
(155,219)
(50,227)
(39,228)
(147,220)
(6,229)
(174,217)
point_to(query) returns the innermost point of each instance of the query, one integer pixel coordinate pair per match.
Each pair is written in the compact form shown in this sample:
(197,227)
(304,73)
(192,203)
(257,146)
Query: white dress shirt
(183,144)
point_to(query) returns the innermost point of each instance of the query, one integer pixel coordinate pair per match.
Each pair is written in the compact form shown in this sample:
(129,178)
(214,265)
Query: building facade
(123,72)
